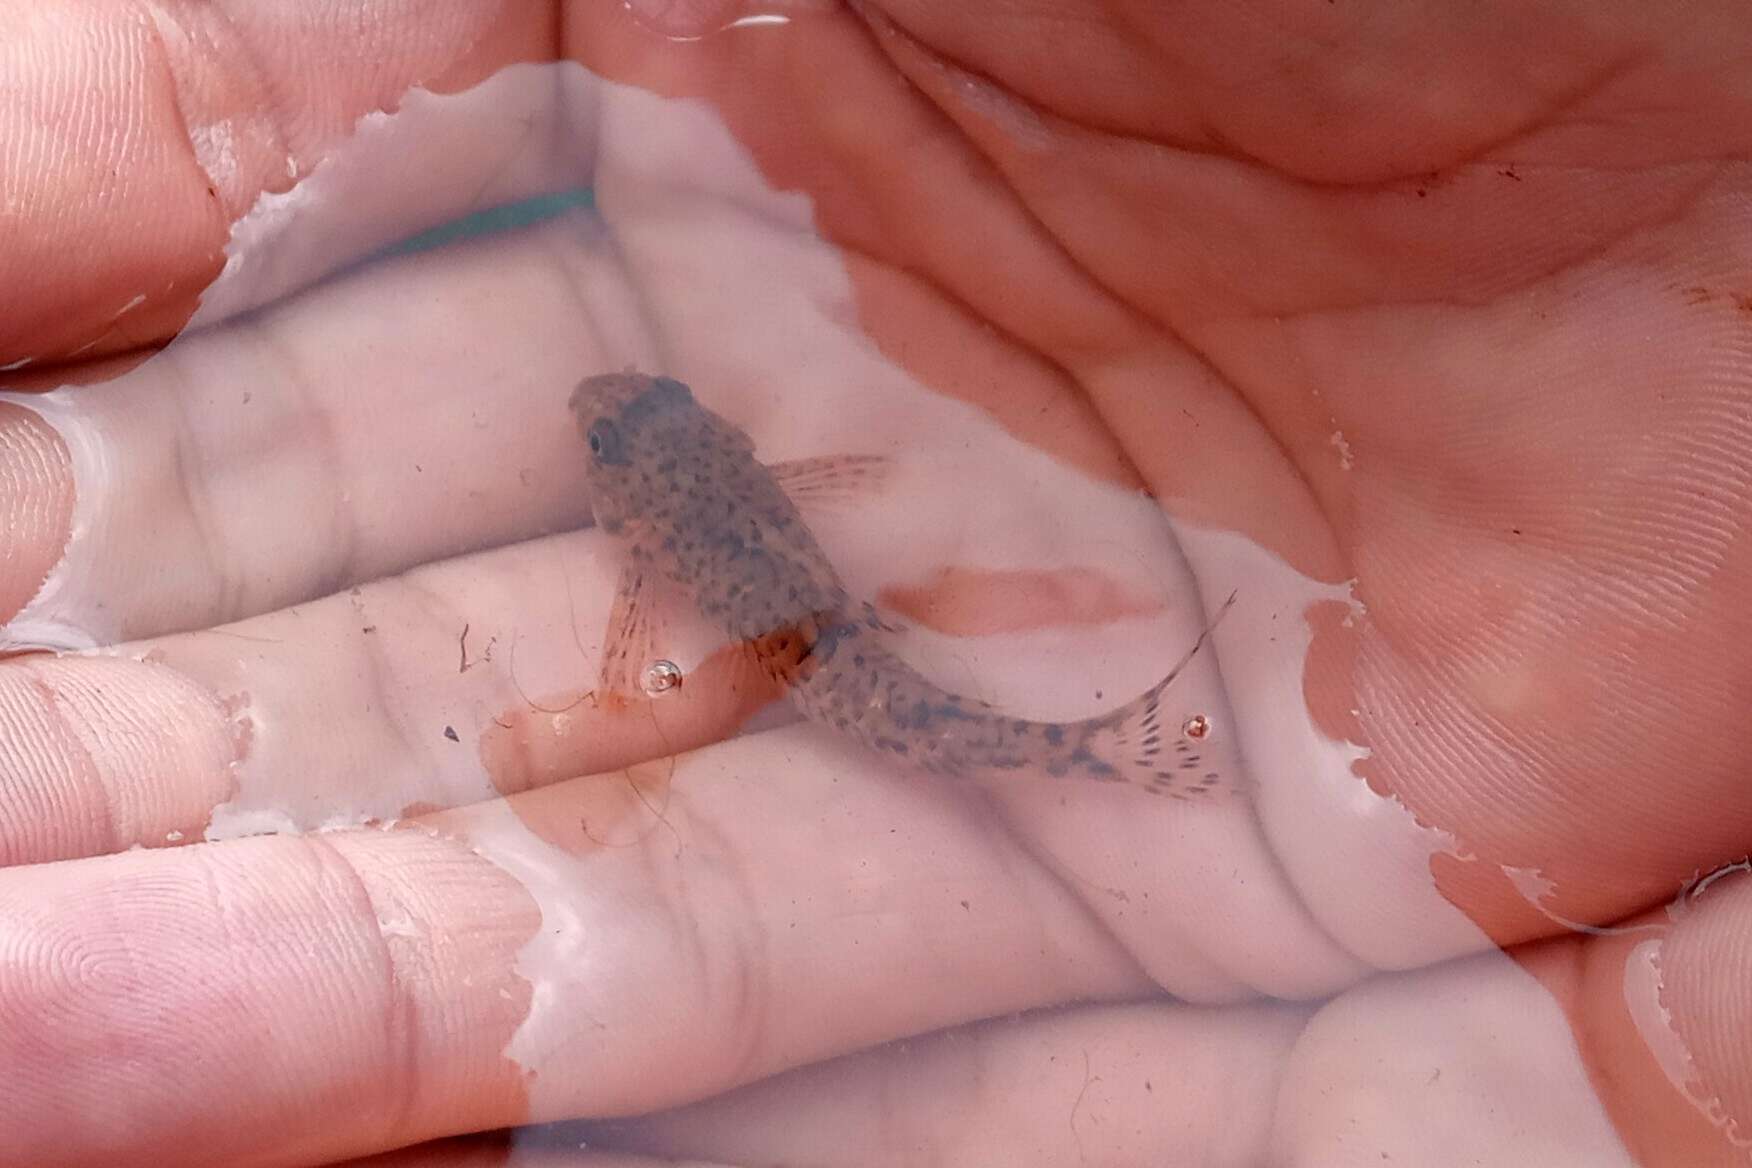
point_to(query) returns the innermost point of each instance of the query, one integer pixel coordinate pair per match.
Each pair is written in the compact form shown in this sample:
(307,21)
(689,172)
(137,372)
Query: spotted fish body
(699,514)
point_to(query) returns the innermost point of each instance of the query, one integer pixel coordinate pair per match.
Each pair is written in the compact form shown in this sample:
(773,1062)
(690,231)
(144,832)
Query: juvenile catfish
(701,519)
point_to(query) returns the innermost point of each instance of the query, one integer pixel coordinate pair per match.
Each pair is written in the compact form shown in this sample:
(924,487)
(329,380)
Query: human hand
(1320,285)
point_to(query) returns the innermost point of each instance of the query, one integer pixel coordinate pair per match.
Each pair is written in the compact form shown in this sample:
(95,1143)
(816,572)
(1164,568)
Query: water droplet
(1196,727)
(661,677)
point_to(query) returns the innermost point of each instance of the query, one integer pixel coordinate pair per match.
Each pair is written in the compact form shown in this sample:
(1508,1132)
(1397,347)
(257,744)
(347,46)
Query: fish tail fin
(1129,744)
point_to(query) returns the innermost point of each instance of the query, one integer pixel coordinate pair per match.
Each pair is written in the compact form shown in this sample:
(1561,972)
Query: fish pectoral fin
(635,625)
(831,479)
(874,618)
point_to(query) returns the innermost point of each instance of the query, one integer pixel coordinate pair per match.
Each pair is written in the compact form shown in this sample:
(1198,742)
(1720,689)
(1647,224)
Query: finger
(146,1017)
(1626,1049)
(1623,1047)
(439,688)
(1140,1084)
(141,132)
(475,676)
(375,989)
(1664,1023)
(332,440)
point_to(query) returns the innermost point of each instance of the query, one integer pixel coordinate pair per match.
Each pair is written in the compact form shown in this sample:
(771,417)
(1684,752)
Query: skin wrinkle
(1624,548)
(115,327)
(1099,456)
(1048,1088)
(401,1116)
(1086,275)
(882,29)
(239,51)
(506,749)
(106,808)
(1077,888)
(190,474)
(606,246)
(1284,67)
(884,26)
(440,612)
(108,723)
(400,1072)
(1488,150)
(321,446)
(1545,816)
(1685,202)
(103,811)
(748,995)
(1507,288)
(1612,69)
(370,651)
(1495,288)
(36,504)
(1075,132)
(1062,374)
(1602,745)
(400,1029)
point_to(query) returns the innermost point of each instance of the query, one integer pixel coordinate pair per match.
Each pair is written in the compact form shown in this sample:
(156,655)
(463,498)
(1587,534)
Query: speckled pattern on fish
(702,518)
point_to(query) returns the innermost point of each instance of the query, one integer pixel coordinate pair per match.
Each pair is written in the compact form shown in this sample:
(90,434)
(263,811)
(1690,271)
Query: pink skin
(1403,296)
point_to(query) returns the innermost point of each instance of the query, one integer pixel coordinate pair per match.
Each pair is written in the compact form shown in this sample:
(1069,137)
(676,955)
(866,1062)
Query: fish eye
(605,443)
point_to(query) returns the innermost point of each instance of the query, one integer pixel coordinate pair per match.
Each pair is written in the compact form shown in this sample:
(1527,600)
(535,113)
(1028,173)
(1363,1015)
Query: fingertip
(1662,1021)
(1703,969)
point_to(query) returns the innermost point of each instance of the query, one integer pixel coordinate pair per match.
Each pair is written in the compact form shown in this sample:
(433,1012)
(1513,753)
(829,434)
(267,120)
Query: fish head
(642,433)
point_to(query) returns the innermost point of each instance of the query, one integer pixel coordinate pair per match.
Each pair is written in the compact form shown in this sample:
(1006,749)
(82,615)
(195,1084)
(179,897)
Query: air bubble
(660,677)
(1196,727)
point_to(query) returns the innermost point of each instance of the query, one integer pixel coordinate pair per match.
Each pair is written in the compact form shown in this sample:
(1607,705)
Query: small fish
(701,519)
